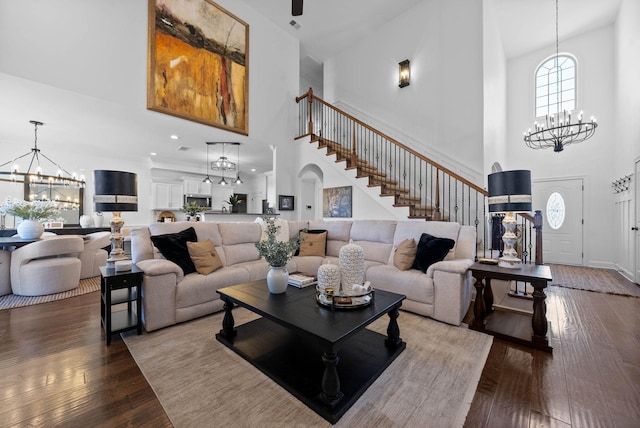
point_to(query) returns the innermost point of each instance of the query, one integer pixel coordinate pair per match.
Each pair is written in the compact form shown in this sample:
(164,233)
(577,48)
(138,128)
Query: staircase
(430,190)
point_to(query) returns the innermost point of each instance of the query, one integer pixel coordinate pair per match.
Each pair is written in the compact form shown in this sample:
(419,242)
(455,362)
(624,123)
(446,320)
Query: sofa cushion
(239,242)
(173,247)
(312,243)
(431,250)
(405,254)
(440,229)
(204,256)
(412,283)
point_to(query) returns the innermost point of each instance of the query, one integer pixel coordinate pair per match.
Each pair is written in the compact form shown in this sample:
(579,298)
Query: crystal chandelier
(561,128)
(61,177)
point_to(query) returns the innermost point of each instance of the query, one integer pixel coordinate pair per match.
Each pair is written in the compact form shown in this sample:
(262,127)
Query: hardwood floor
(55,369)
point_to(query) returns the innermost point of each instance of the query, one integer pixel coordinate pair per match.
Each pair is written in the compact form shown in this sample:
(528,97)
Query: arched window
(556,85)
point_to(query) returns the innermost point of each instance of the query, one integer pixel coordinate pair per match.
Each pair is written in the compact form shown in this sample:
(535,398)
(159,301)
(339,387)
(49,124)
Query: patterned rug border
(11,301)
(614,293)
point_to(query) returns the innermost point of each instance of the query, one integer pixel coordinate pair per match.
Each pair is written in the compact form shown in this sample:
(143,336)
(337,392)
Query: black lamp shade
(115,191)
(510,191)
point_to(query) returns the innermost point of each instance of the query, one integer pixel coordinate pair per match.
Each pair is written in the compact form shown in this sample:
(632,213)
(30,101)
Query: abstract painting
(198,63)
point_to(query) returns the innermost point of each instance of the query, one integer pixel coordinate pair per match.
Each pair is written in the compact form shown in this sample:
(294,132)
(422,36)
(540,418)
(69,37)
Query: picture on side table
(285,203)
(336,201)
(198,63)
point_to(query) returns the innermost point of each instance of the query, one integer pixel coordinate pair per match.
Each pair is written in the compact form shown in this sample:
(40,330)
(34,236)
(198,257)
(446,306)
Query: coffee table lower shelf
(295,362)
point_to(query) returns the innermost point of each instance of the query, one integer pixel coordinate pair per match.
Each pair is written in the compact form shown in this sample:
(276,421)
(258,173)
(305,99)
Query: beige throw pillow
(204,256)
(313,244)
(405,254)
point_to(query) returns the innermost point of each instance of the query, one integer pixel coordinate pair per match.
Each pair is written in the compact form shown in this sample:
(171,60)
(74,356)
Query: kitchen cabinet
(196,187)
(167,196)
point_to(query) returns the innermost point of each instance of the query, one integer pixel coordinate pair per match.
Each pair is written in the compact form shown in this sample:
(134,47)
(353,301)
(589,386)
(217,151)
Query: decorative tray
(341,300)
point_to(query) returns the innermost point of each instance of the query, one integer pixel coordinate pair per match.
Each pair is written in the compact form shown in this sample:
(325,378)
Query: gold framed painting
(198,63)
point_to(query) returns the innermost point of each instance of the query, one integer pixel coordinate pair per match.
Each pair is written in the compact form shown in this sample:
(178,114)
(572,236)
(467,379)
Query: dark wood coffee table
(296,343)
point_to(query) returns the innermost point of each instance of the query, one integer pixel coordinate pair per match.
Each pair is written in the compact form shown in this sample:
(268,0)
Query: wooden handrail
(438,166)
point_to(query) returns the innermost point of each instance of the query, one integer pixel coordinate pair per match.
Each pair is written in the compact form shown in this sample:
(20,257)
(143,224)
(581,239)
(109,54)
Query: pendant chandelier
(34,173)
(207,179)
(224,164)
(562,127)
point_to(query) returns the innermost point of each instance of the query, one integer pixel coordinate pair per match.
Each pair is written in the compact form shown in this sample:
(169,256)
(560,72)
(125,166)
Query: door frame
(585,203)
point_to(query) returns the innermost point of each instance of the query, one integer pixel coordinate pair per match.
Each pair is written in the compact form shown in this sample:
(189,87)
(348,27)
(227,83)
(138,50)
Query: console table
(531,331)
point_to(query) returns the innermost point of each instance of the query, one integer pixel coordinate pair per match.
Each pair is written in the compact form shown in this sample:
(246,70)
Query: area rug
(592,279)
(13,301)
(200,382)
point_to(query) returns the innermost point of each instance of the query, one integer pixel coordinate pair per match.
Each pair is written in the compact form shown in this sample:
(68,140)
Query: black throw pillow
(173,247)
(431,250)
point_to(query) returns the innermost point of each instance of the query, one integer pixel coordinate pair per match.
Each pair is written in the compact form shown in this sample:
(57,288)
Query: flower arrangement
(276,253)
(192,209)
(30,210)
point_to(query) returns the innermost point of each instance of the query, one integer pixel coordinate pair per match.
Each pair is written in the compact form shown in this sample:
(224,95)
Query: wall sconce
(404,73)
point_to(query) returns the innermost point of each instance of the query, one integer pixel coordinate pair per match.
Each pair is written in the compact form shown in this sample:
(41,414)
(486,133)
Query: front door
(561,203)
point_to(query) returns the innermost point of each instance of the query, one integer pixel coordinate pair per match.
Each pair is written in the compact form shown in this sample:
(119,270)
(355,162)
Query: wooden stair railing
(430,190)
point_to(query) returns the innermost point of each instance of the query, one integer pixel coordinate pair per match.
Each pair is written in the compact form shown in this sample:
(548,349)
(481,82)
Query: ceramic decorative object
(329,278)
(30,229)
(85,221)
(351,266)
(97,219)
(277,279)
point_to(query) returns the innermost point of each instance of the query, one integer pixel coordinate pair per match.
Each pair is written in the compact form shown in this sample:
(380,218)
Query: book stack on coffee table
(302,279)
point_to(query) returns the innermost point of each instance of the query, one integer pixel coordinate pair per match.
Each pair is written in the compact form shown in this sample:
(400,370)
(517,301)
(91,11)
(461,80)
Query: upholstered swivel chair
(5,272)
(47,266)
(94,254)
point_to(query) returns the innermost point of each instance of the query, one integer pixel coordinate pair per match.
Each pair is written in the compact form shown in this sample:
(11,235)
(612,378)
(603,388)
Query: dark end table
(117,288)
(531,331)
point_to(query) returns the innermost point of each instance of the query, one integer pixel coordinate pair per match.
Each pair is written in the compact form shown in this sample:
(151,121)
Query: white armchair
(5,269)
(47,266)
(94,254)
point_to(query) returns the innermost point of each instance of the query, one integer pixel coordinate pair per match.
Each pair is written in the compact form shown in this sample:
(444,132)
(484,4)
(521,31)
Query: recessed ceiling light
(253,170)
(153,154)
(174,137)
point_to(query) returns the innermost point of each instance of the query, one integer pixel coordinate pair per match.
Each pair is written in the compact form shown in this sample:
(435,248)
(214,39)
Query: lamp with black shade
(115,191)
(510,192)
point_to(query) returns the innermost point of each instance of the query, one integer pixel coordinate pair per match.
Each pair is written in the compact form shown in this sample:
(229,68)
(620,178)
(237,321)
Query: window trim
(535,79)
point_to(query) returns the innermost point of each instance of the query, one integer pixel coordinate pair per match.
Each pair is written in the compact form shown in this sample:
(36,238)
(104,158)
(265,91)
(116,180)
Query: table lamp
(115,191)
(509,192)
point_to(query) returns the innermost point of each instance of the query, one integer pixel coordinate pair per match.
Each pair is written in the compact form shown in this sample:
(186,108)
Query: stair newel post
(310,97)
(537,225)
(436,213)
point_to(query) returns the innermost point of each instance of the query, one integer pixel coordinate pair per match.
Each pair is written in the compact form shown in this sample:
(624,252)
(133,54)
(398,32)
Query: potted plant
(277,254)
(32,213)
(192,210)
(233,201)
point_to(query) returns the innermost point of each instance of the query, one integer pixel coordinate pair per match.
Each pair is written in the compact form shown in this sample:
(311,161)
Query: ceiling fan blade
(296,7)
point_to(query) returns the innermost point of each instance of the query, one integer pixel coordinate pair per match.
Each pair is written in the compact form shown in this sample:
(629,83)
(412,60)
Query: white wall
(592,159)
(443,106)
(495,90)
(96,51)
(627,87)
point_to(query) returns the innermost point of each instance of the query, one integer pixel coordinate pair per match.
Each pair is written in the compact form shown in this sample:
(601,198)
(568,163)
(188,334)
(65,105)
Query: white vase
(97,219)
(30,229)
(85,221)
(277,279)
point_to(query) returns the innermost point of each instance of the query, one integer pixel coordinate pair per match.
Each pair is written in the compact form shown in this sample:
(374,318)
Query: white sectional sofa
(170,297)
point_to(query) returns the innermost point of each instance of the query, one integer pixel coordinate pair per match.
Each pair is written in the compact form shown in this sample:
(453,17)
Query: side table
(515,327)
(118,288)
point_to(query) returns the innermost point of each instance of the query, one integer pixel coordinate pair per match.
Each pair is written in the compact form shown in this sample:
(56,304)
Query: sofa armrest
(458,266)
(157,267)
(159,289)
